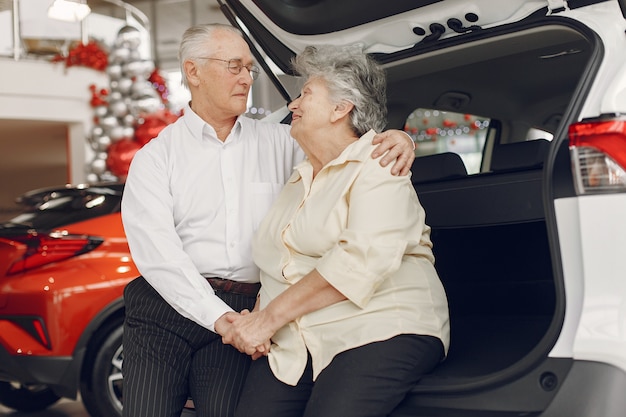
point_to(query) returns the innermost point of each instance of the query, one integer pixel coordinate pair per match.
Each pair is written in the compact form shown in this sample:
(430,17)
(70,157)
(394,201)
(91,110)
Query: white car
(517,110)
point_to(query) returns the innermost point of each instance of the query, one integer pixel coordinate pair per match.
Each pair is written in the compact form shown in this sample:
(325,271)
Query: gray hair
(196,43)
(352,75)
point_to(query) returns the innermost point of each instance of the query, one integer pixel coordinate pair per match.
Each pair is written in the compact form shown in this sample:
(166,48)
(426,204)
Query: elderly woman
(351,311)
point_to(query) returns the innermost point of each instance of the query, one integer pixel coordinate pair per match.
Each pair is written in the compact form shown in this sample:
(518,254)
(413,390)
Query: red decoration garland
(97,97)
(89,55)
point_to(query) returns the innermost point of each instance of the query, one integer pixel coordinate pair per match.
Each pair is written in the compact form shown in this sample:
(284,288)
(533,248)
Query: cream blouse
(364,230)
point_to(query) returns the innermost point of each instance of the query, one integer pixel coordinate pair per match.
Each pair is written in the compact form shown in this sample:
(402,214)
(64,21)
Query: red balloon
(119,155)
(449,123)
(152,124)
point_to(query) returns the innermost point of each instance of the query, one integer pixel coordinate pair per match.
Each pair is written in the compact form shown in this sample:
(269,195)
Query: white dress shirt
(192,203)
(365,232)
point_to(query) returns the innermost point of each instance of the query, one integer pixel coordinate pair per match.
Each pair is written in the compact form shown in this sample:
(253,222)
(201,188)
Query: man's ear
(342,109)
(191,72)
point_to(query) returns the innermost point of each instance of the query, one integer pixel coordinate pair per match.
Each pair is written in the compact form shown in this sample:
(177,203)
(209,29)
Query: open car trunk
(494,231)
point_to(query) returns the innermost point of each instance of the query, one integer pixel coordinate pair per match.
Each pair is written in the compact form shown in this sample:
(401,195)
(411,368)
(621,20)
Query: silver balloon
(124,85)
(92,178)
(142,68)
(129,120)
(103,143)
(97,131)
(108,122)
(148,67)
(129,132)
(98,166)
(128,36)
(120,55)
(115,96)
(118,108)
(114,71)
(135,55)
(116,133)
(100,111)
(108,177)
(133,69)
(146,104)
(142,89)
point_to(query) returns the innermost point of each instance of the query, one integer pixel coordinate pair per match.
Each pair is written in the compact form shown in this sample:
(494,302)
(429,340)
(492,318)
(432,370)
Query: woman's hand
(248,332)
(251,332)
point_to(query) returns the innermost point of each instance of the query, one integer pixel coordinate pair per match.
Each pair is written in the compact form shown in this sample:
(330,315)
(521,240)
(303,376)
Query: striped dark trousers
(168,357)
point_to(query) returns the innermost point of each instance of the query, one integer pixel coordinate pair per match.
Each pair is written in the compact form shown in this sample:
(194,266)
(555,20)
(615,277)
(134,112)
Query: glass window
(436,131)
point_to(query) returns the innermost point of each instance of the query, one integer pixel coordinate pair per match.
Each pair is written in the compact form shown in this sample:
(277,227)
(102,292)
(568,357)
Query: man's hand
(222,324)
(247,332)
(398,146)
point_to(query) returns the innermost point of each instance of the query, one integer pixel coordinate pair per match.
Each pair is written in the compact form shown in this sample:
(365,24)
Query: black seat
(441,166)
(516,156)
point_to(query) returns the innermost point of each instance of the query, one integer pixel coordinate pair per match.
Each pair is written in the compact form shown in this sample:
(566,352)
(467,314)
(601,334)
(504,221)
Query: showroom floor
(64,408)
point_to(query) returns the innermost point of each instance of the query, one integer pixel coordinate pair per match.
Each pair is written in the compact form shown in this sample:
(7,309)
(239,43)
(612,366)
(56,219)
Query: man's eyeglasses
(235,66)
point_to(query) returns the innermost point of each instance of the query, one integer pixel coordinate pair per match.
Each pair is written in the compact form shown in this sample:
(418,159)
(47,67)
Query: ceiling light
(69,11)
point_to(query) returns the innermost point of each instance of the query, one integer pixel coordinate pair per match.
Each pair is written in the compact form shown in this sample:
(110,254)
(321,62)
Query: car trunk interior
(489,229)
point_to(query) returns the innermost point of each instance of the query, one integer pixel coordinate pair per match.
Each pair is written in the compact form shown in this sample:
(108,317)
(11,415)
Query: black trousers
(368,381)
(168,357)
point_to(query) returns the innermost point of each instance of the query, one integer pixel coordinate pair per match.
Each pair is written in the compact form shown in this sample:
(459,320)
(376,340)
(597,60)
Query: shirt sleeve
(157,250)
(385,221)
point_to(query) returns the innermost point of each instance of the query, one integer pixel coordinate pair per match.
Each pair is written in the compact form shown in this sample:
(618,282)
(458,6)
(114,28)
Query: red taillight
(48,248)
(598,151)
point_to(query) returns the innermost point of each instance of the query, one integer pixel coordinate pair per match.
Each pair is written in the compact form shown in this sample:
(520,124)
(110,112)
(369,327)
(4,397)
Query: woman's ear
(191,72)
(342,109)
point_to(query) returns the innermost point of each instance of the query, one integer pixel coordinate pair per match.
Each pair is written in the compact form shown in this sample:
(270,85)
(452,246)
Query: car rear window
(55,210)
(436,131)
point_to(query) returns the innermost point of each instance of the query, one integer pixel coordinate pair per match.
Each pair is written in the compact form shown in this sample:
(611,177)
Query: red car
(64,262)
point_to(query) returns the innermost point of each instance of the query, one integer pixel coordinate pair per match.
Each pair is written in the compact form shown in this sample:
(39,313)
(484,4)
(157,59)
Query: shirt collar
(198,127)
(355,152)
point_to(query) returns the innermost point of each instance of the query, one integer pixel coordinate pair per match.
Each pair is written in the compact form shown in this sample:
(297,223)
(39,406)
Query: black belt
(226,285)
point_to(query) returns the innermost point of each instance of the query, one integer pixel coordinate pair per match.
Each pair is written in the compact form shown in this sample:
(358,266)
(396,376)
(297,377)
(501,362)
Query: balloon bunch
(130,101)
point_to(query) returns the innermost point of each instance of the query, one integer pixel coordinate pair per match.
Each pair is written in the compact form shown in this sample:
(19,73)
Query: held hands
(399,147)
(248,332)
(251,332)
